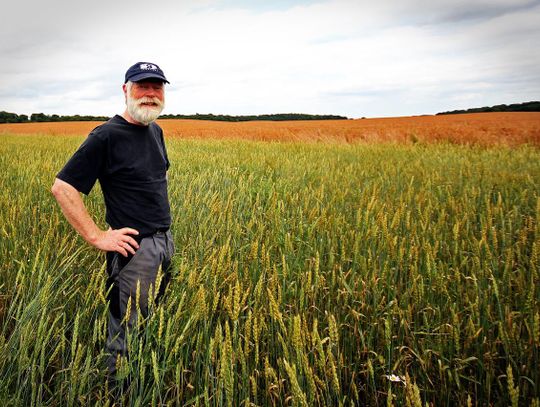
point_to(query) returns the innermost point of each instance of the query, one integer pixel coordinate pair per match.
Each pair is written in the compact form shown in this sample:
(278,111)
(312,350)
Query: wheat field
(484,129)
(306,274)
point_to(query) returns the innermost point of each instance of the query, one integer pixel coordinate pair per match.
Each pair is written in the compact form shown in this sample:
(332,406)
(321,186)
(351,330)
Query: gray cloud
(451,11)
(347,57)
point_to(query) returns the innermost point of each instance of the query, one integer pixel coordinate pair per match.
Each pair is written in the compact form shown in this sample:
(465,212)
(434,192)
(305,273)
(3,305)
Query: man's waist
(155,231)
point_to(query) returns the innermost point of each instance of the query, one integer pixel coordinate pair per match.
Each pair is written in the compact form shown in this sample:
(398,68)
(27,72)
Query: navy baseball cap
(144,70)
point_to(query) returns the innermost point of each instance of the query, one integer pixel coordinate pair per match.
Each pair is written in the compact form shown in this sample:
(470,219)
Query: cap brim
(147,75)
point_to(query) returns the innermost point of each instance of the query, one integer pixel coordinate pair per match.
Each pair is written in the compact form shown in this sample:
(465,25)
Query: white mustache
(144,99)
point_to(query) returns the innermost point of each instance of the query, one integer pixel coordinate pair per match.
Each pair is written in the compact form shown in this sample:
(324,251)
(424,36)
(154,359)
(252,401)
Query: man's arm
(69,199)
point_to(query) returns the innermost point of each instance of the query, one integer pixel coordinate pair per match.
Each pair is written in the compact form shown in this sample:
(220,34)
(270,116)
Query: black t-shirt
(131,163)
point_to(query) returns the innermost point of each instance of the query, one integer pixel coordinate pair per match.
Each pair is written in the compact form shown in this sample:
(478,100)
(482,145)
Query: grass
(305,274)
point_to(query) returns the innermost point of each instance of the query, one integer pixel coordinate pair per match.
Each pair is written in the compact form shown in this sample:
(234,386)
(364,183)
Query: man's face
(145,100)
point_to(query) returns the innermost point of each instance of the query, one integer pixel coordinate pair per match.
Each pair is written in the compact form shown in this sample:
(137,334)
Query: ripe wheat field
(485,129)
(331,273)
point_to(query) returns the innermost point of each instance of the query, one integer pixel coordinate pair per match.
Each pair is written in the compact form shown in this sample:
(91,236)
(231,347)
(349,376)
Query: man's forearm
(69,199)
(72,206)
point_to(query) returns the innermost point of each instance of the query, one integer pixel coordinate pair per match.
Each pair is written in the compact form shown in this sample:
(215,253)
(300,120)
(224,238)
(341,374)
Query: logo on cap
(150,67)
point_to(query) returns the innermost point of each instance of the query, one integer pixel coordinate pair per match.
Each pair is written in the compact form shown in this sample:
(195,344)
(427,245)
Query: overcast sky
(354,58)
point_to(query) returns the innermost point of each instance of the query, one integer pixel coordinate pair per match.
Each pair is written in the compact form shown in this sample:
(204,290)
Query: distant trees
(269,117)
(39,117)
(7,117)
(516,107)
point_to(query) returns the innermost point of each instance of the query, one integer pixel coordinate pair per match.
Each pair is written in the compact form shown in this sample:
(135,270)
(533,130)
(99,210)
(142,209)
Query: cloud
(356,58)
(426,12)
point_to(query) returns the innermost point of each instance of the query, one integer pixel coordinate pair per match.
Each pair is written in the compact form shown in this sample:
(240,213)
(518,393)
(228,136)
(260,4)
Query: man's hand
(117,240)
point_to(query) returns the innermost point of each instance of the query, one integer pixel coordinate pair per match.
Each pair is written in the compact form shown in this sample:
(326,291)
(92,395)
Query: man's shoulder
(104,130)
(113,122)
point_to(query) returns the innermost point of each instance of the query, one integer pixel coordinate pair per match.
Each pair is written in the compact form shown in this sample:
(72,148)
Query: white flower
(395,378)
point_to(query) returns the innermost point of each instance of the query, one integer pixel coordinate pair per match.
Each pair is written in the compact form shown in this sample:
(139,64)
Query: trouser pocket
(116,264)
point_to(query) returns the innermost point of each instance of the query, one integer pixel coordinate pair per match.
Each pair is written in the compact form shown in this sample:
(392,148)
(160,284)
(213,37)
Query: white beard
(144,114)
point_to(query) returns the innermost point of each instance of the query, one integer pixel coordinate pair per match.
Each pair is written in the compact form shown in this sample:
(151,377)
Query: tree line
(515,107)
(245,118)
(7,117)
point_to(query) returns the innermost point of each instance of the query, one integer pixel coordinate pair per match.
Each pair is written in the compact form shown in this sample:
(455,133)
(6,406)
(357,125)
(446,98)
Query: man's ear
(124,88)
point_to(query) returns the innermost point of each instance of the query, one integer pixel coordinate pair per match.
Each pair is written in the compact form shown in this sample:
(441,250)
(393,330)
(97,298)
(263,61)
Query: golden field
(397,264)
(479,128)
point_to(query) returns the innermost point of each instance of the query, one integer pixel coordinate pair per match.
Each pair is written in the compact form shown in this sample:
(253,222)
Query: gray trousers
(124,274)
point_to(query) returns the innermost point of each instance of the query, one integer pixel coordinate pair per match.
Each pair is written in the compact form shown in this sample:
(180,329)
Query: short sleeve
(83,168)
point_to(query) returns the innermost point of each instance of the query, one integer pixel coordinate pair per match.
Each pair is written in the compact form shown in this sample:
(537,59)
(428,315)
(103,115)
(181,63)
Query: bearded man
(127,155)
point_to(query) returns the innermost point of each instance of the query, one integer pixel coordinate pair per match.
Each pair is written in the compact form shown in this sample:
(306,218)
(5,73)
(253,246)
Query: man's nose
(151,92)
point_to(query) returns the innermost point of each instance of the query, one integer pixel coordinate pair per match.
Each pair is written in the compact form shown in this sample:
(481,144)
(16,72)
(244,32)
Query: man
(127,155)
